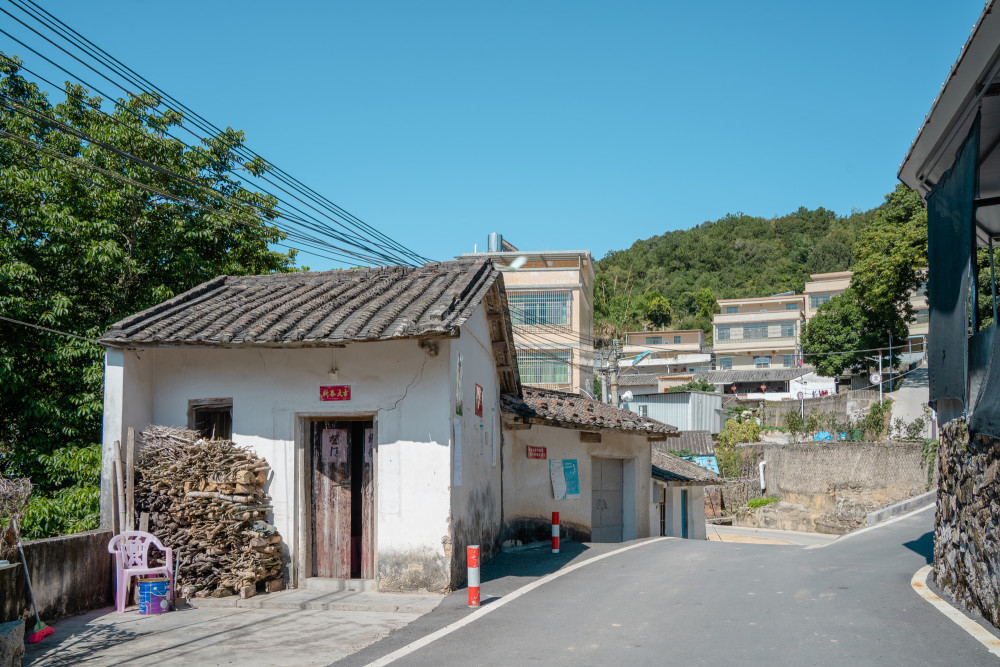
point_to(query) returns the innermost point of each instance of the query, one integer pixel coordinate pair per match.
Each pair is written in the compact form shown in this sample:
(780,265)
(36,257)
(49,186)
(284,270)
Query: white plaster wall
(695,514)
(127,374)
(273,390)
(528,487)
(476,504)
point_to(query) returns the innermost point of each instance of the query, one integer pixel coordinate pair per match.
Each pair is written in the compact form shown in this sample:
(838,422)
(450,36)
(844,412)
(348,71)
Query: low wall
(847,404)
(832,487)
(966,535)
(69,575)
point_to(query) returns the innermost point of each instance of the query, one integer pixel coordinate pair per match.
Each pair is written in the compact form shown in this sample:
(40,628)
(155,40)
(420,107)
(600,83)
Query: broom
(41,630)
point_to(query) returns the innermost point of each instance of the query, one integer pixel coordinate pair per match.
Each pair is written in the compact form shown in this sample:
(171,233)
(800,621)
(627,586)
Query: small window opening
(212,417)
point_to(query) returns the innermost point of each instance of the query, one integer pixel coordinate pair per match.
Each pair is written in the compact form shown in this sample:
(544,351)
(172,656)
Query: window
(923,316)
(791,306)
(654,340)
(677,339)
(817,300)
(788,329)
(761,362)
(721,333)
(725,363)
(755,331)
(643,410)
(536,308)
(788,360)
(213,417)
(732,309)
(543,366)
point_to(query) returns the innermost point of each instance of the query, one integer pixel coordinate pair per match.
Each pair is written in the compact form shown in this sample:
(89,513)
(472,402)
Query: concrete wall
(672,499)
(476,503)
(845,404)
(966,535)
(408,393)
(830,488)
(528,499)
(70,575)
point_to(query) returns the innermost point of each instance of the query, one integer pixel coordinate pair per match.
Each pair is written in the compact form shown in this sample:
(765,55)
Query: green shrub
(754,503)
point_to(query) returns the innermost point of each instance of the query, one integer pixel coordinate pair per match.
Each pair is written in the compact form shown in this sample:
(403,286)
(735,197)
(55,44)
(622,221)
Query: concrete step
(335,585)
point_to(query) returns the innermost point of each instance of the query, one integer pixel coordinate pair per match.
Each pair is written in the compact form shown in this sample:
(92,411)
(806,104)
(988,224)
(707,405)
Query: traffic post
(555,532)
(473,555)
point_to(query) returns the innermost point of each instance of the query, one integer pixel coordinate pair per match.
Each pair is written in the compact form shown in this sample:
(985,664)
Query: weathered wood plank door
(342,499)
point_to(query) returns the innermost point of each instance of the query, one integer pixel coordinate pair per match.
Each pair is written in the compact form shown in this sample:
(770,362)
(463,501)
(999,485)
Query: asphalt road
(699,602)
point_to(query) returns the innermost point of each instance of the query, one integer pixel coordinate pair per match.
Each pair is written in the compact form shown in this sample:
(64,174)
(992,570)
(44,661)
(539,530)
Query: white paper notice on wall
(457,428)
(565,478)
(334,445)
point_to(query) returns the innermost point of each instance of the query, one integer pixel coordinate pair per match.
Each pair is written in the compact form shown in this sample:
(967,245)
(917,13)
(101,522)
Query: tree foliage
(735,256)
(875,312)
(698,384)
(88,237)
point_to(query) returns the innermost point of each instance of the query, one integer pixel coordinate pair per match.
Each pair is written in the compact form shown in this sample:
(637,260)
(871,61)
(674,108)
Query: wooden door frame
(301,565)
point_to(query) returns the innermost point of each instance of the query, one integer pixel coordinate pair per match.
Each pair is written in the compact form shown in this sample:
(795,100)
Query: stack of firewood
(206,500)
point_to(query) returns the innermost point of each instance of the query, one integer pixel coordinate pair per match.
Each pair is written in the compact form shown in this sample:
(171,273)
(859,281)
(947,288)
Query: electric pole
(613,370)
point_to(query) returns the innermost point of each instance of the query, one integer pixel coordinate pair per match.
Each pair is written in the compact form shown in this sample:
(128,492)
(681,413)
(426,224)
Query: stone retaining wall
(70,575)
(966,535)
(831,487)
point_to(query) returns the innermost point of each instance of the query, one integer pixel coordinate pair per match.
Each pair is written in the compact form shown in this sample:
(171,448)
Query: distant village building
(551,298)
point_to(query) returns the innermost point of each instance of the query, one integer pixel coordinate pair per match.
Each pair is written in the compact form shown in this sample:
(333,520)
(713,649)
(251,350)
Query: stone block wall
(70,575)
(966,535)
(831,487)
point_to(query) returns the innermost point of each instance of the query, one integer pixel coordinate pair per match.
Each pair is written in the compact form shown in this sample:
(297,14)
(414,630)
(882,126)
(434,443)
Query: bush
(742,429)
(760,502)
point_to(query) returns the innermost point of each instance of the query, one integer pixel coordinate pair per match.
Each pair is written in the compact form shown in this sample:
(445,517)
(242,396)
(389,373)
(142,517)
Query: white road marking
(919,584)
(482,611)
(875,527)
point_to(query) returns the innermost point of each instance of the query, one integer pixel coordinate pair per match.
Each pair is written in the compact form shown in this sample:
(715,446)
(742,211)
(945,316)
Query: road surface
(698,602)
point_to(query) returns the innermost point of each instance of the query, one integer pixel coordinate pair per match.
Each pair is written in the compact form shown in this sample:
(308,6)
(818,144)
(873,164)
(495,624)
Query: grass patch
(760,502)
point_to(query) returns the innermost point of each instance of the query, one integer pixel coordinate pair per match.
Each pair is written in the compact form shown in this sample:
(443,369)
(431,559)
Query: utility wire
(90,49)
(47,329)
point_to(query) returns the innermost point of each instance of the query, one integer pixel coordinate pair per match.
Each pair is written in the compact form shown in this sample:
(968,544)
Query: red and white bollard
(555,532)
(473,555)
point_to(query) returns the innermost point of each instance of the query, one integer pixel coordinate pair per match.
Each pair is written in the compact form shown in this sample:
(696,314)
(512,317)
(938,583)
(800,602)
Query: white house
(678,505)
(372,387)
(587,460)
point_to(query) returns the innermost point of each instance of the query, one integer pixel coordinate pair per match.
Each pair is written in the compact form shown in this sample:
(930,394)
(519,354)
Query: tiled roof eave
(128,343)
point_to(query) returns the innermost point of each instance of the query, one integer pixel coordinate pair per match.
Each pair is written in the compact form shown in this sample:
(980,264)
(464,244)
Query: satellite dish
(875,378)
(800,396)
(518,262)
(627,396)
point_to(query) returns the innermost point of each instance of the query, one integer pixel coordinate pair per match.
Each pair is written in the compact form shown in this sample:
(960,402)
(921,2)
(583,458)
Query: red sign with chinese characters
(537,452)
(335,392)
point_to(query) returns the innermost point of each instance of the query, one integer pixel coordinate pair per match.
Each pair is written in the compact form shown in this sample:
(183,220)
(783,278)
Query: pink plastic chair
(131,550)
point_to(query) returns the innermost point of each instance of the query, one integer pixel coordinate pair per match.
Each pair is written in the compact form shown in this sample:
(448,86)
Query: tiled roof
(698,443)
(315,308)
(670,468)
(637,379)
(564,409)
(756,375)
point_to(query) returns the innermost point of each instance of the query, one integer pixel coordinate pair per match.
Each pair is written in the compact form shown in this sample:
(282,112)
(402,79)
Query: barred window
(788,360)
(643,410)
(725,363)
(788,329)
(923,316)
(732,309)
(755,331)
(654,340)
(791,306)
(721,333)
(535,308)
(817,300)
(762,362)
(677,339)
(543,366)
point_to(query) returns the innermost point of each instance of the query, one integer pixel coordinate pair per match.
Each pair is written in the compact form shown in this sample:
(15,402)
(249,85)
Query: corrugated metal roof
(315,308)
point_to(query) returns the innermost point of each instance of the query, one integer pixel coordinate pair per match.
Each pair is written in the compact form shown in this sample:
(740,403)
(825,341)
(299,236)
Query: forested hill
(674,279)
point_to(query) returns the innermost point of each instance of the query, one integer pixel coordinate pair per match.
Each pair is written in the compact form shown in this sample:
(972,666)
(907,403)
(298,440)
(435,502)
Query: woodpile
(206,501)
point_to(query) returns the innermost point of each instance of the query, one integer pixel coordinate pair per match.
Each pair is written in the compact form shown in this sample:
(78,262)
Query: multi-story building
(821,287)
(670,358)
(551,300)
(758,333)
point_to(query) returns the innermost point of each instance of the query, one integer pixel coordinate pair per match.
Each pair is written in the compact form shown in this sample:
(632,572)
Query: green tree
(698,384)
(659,312)
(90,236)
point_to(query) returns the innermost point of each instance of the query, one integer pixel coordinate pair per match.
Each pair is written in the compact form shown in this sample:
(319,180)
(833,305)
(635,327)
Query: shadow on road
(923,545)
(532,562)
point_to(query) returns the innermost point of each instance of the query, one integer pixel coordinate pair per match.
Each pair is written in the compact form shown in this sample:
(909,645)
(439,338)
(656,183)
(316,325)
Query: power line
(118,68)
(47,329)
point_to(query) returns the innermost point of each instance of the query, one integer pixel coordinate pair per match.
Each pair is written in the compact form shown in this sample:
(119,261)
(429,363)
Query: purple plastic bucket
(153,592)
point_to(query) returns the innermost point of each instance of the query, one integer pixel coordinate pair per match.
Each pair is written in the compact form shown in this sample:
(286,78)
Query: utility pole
(613,370)
(880,377)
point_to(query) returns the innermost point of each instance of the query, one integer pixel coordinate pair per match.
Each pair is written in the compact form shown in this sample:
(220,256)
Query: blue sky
(562,125)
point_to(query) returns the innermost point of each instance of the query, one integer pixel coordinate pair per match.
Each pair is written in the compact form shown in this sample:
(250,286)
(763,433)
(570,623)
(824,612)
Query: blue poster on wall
(572,474)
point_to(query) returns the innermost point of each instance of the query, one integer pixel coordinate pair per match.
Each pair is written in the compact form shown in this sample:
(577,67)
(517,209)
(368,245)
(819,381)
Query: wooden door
(606,494)
(331,498)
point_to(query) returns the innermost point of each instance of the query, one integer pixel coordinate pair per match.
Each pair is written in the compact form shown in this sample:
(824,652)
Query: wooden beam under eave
(590,436)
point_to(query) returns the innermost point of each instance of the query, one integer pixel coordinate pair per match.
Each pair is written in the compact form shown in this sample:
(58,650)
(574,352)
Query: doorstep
(319,600)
